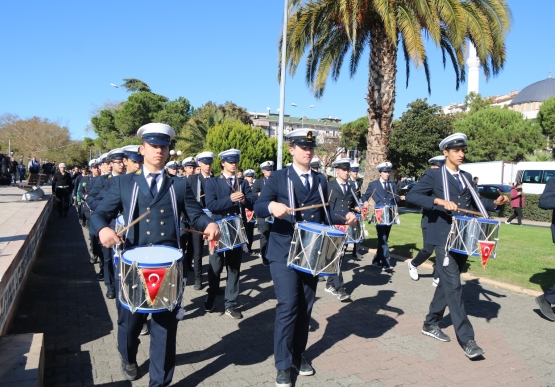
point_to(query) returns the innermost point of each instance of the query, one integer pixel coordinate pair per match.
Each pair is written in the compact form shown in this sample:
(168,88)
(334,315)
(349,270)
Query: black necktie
(230,179)
(306,182)
(344,187)
(153,185)
(385,186)
(456,176)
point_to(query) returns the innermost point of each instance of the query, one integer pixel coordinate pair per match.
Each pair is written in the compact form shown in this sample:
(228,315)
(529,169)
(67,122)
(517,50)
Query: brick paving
(373,340)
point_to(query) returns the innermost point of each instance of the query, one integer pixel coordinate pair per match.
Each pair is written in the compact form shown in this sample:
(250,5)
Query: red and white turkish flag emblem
(249,214)
(364,212)
(379,214)
(153,278)
(342,227)
(212,245)
(486,248)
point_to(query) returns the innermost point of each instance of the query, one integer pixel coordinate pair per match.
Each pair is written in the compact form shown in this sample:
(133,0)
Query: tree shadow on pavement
(360,318)
(251,343)
(545,279)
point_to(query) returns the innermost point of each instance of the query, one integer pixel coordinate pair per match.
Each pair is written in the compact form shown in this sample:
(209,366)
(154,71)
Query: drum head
(152,256)
(320,228)
(229,218)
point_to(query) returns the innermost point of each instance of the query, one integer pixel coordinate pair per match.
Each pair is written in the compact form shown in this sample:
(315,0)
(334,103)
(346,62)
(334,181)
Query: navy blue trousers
(382,255)
(163,331)
(295,293)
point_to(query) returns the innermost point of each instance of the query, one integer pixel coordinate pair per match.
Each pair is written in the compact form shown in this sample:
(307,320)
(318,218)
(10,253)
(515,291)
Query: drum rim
(159,264)
(302,269)
(385,205)
(145,310)
(479,220)
(305,226)
(228,218)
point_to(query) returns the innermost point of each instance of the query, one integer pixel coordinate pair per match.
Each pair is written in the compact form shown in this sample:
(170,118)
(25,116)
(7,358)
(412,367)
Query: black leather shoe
(265,262)
(111,294)
(209,304)
(100,276)
(545,308)
(435,332)
(304,368)
(283,379)
(471,349)
(198,284)
(129,371)
(144,330)
(234,313)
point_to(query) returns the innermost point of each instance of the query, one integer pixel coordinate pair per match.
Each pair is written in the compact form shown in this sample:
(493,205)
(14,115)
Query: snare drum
(269,219)
(466,232)
(120,223)
(232,232)
(316,249)
(151,279)
(386,215)
(355,234)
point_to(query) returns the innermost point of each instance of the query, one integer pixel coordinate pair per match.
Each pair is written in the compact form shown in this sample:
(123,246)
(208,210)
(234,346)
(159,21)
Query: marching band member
(293,187)
(427,249)
(95,247)
(341,200)
(263,227)
(354,180)
(249,226)
(132,159)
(547,202)
(116,162)
(162,195)
(385,194)
(443,191)
(197,182)
(225,196)
(171,168)
(189,164)
(315,164)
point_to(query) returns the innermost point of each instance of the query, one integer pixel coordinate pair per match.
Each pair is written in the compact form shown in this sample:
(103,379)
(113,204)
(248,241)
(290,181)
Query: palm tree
(327,30)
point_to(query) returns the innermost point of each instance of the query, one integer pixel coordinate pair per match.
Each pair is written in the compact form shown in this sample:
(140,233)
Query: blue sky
(59,58)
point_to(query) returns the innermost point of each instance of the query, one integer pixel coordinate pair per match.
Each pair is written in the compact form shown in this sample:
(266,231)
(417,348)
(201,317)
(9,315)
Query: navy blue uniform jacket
(217,197)
(429,187)
(276,190)
(158,227)
(381,197)
(198,184)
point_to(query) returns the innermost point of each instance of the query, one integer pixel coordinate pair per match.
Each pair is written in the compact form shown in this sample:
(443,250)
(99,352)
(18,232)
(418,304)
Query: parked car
(492,191)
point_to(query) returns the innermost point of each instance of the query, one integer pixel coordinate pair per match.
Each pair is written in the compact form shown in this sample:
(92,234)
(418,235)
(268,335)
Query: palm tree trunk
(380,98)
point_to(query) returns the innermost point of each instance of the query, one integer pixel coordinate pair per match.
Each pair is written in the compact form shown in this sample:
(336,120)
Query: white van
(534,175)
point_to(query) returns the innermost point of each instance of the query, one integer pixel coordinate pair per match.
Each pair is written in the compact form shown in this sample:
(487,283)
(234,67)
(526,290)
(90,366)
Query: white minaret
(473,64)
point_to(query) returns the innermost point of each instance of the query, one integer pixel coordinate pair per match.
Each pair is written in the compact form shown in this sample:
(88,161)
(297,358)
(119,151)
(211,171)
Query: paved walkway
(373,340)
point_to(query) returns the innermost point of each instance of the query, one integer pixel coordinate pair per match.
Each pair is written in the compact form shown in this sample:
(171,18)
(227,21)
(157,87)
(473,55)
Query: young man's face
(95,171)
(172,171)
(239,174)
(384,175)
(205,168)
(189,170)
(117,166)
(354,174)
(155,155)
(343,174)
(130,165)
(249,179)
(455,156)
(302,155)
(106,168)
(267,173)
(229,168)
(197,170)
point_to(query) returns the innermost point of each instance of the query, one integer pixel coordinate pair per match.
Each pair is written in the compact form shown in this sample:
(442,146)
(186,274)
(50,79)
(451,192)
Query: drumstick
(393,193)
(198,197)
(134,223)
(331,190)
(470,211)
(195,231)
(310,207)
(340,217)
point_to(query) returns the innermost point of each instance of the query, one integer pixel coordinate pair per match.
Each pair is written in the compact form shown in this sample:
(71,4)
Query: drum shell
(389,216)
(467,231)
(232,232)
(355,234)
(316,253)
(132,294)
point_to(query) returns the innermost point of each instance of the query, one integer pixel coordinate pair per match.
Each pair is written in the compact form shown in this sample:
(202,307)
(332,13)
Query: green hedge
(531,211)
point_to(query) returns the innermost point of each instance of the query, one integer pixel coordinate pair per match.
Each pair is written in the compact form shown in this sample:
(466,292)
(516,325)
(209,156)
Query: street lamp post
(302,112)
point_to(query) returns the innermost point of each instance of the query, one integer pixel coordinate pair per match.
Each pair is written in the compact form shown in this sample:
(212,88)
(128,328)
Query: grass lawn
(524,254)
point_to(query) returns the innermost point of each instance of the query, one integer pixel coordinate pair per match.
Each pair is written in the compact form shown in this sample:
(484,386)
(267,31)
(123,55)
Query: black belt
(62,186)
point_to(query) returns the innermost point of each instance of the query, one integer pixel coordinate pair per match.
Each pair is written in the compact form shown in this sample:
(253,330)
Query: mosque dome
(536,92)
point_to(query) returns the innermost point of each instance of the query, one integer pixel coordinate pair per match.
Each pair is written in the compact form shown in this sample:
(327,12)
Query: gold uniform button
(163,234)
(148,220)
(312,216)
(161,211)
(459,197)
(162,223)
(148,233)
